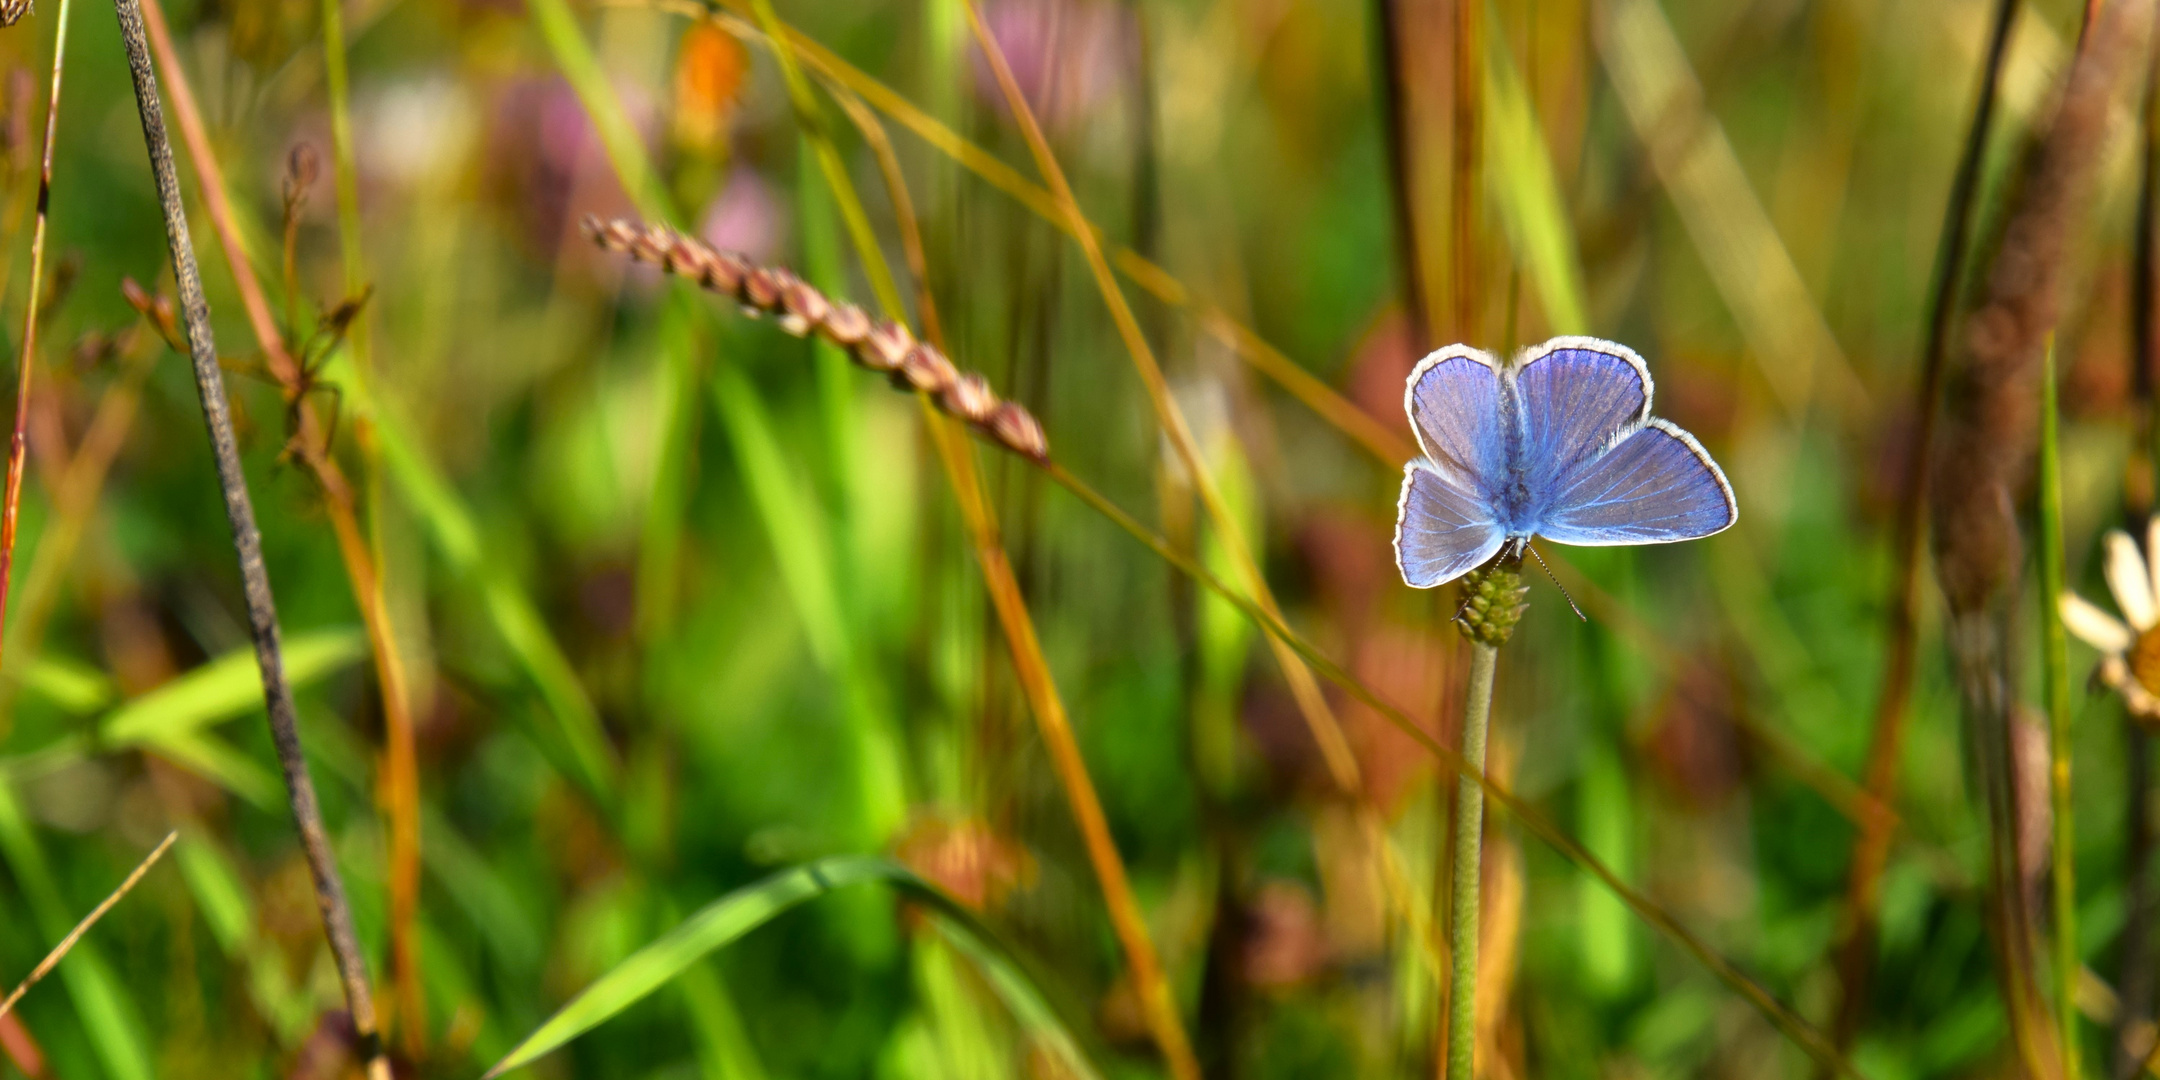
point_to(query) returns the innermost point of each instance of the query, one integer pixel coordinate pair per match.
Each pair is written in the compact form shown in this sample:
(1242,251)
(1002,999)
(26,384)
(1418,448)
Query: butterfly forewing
(1454,404)
(1574,396)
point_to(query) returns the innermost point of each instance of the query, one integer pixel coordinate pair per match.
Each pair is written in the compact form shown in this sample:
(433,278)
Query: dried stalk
(1871,852)
(247,545)
(19,442)
(67,944)
(1981,461)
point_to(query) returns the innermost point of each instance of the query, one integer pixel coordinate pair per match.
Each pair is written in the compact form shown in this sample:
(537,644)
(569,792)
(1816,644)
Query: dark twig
(1870,853)
(247,543)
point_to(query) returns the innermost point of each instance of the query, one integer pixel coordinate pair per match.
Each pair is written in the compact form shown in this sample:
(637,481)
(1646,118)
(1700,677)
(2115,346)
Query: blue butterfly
(1559,444)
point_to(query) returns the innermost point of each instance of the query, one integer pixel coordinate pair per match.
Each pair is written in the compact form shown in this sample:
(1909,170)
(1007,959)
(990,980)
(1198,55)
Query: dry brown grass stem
(75,494)
(1980,462)
(26,362)
(310,443)
(1465,194)
(67,944)
(1399,108)
(1871,851)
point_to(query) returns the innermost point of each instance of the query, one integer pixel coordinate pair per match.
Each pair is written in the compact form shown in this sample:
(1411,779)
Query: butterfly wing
(1445,525)
(1574,396)
(1441,531)
(1654,486)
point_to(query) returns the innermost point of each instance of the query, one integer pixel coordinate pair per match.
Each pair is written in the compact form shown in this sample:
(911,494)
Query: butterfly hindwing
(1441,531)
(1655,486)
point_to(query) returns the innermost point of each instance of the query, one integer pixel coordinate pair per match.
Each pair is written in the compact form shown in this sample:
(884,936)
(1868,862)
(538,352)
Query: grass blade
(226,687)
(2055,678)
(1522,181)
(732,916)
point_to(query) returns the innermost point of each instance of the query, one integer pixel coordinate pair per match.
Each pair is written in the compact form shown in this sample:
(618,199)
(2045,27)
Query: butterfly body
(1559,444)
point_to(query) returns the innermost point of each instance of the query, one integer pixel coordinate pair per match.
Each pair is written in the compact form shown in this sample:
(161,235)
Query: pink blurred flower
(746,217)
(1067,55)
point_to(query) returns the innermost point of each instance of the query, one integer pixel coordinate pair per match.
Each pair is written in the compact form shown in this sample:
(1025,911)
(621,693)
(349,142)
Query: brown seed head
(805,306)
(846,325)
(724,273)
(885,346)
(926,369)
(1015,428)
(684,256)
(760,288)
(649,245)
(970,398)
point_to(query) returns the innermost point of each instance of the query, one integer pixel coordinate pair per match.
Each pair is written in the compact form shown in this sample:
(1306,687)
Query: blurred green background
(684,601)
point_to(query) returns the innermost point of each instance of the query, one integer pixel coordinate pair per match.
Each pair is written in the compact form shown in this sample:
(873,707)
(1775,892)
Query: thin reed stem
(1399,112)
(19,442)
(401,771)
(401,760)
(67,944)
(1871,852)
(1469,862)
(329,885)
(1465,194)
(2055,674)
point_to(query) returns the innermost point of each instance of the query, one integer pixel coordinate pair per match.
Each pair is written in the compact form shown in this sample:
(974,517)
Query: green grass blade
(2055,675)
(215,760)
(800,545)
(1522,180)
(581,69)
(456,534)
(219,895)
(227,687)
(732,916)
(74,686)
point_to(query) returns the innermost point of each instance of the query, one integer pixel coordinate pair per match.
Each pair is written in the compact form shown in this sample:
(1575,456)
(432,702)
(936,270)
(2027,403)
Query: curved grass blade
(227,687)
(172,717)
(738,913)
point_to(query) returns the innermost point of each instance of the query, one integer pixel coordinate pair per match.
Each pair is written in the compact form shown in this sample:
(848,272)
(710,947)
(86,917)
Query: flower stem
(1469,847)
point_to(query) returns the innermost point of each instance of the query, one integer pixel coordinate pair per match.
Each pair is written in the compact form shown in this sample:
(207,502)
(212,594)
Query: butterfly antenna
(1556,582)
